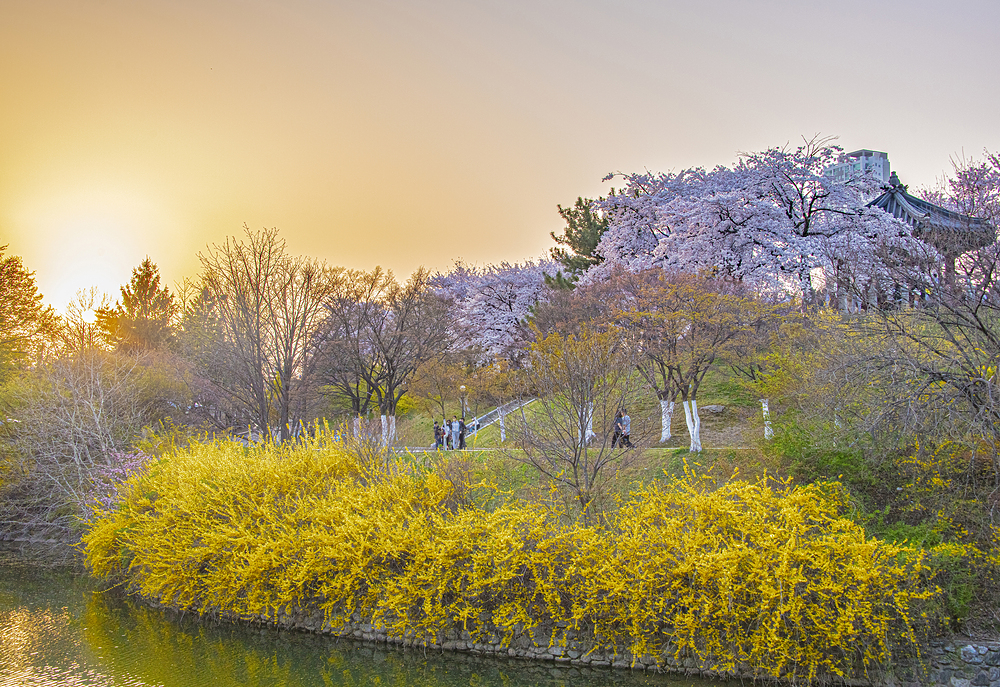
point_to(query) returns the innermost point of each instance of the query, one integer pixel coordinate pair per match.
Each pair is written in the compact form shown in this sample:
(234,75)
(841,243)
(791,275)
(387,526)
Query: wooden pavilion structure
(951,233)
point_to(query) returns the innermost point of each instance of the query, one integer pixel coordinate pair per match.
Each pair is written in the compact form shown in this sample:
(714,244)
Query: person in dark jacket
(618,430)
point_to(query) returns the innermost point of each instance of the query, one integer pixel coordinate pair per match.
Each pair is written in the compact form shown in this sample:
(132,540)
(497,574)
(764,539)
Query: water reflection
(39,644)
(56,630)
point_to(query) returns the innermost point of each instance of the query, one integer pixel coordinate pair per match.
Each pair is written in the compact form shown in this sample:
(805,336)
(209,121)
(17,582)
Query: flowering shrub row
(759,578)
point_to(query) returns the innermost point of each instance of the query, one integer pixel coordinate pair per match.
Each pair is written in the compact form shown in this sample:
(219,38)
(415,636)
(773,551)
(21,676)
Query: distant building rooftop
(860,162)
(952,233)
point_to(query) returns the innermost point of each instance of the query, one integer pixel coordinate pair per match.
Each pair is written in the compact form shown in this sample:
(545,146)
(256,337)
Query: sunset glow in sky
(408,133)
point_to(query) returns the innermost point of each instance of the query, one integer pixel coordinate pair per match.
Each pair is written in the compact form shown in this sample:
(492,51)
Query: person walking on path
(461,433)
(438,436)
(626,430)
(454,432)
(618,430)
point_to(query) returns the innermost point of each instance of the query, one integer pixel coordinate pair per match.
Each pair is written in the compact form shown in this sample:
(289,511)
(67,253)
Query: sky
(414,133)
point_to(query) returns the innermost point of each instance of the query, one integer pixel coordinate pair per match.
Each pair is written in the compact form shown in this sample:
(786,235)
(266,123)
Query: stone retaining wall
(575,650)
(948,664)
(960,664)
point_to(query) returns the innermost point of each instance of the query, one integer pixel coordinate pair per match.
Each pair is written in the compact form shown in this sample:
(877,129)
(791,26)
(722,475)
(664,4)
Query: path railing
(494,415)
(477,423)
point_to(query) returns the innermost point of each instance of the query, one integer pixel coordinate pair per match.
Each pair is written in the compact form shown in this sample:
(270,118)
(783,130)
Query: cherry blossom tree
(634,219)
(974,190)
(490,305)
(772,221)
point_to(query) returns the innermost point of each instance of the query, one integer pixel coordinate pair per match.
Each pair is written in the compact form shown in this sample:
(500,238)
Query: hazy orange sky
(414,133)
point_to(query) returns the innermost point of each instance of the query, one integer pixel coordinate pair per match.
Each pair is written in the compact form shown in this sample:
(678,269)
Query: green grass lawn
(730,439)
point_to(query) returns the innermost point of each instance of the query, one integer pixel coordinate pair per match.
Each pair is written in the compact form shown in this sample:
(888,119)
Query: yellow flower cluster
(757,577)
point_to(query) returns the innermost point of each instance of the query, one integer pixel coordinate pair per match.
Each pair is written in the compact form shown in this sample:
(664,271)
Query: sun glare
(89,239)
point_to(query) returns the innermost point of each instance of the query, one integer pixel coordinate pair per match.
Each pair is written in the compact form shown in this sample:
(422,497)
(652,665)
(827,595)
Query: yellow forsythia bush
(755,578)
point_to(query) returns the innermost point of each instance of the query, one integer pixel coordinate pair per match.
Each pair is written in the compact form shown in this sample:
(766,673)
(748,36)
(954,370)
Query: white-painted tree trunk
(844,302)
(666,416)
(357,427)
(503,428)
(768,430)
(385,432)
(693,423)
(589,424)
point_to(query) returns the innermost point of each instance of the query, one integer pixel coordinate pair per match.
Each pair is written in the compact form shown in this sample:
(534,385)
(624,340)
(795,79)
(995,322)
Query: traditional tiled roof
(948,231)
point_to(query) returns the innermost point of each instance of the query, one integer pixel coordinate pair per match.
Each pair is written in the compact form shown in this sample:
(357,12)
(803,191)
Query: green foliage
(939,505)
(560,282)
(922,534)
(143,319)
(954,570)
(26,325)
(764,577)
(582,234)
(810,451)
(166,437)
(406,405)
(725,389)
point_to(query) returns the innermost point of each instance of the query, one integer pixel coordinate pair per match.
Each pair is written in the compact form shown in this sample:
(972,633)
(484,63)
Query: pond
(57,628)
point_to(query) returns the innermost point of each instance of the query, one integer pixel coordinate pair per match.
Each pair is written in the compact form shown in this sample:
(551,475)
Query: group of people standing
(623,428)
(450,434)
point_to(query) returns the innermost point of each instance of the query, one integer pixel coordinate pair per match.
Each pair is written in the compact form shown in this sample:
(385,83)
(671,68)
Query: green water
(56,628)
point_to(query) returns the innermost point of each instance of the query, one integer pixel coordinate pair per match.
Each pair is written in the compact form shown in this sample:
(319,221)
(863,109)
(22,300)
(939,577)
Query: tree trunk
(805,282)
(590,422)
(503,429)
(666,416)
(284,409)
(263,413)
(586,431)
(693,423)
(768,430)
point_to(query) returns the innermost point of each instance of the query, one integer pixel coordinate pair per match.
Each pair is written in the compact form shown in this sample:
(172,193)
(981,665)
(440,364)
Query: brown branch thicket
(377,334)
(266,308)
(929,357)
(64,424)
(581,382)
